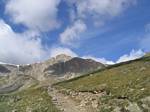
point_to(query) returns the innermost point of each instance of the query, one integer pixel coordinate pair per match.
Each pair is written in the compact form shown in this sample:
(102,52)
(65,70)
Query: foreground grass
(129,81)
(34,99)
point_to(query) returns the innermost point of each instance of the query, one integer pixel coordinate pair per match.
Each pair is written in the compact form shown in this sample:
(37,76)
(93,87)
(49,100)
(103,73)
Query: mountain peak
(63,57)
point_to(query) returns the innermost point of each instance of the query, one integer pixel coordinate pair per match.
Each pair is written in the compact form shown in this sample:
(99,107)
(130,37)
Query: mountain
(73,66)
(123,87)
(59,67)
(93,87)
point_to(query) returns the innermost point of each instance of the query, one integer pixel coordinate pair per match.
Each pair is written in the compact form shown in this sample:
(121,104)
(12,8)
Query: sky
(109,31)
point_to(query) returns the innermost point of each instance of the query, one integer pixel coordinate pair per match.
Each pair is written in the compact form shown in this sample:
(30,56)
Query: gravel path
(64,103)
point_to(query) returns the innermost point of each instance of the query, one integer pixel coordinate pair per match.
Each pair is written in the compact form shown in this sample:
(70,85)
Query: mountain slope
(33,99)
(122,87)
(74,65)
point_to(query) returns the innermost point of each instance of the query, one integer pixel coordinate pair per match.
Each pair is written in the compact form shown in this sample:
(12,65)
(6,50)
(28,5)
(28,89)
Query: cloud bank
(38,15)
(19,48)
(101,60)
(132,56)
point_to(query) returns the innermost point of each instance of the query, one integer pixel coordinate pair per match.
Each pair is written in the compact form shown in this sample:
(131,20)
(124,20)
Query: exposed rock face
(3,69)
(37,70)
(75,65)
(7,68)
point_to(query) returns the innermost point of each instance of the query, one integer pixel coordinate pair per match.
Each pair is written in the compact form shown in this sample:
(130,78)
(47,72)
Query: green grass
(34,99)
(128,80)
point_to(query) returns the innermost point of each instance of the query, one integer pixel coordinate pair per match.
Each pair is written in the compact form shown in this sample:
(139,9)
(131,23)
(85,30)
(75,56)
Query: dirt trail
(64,103)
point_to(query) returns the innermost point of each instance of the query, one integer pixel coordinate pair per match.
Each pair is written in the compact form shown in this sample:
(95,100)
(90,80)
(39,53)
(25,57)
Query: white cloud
(61,50)
(100,8)
(18,48)
(101,60)
(133,55)
(72,33)
(36,15)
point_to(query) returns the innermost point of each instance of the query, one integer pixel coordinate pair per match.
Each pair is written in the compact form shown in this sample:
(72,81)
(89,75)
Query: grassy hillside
(33,99)
(128,82)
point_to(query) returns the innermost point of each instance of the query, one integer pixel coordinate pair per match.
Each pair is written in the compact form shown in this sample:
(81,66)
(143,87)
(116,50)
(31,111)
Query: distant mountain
(60,66)
(73,66)
(6,69)
(56,68)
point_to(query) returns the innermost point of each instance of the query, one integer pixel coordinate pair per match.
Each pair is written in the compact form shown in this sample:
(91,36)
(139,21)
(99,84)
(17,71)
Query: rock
(146,103)
(133,107)
(54,99)
(14,110)
(117,109)
(142,89)
(62,109)
(83,103)
(28,109)
(95,104)
(143,69)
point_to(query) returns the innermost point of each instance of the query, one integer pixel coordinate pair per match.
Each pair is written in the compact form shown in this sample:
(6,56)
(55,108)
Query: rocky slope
(74,66)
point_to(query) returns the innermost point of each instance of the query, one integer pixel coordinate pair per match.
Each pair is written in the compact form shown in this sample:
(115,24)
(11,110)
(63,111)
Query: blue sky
(31,30)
